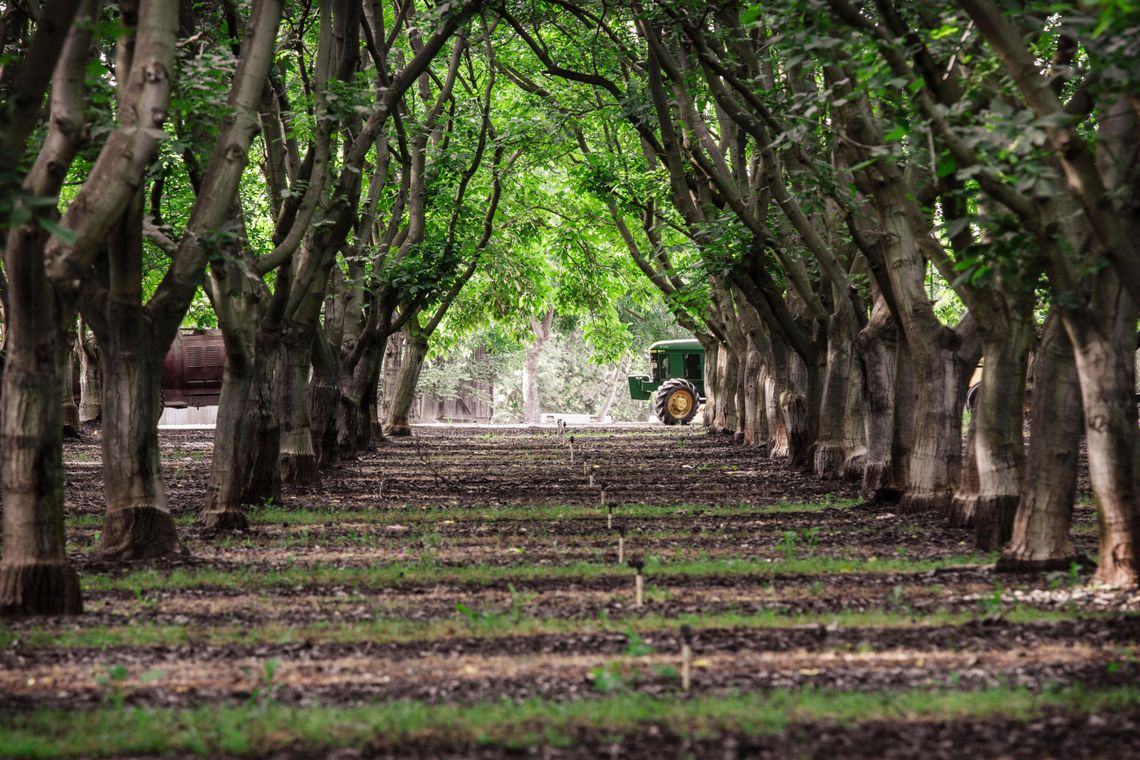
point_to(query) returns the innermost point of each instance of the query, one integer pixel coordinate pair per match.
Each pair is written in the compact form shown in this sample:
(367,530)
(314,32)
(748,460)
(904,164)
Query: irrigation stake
(609,513)
(638,582)
(592,468)
(571,449)
(686,657)
(380,493)
(621,543)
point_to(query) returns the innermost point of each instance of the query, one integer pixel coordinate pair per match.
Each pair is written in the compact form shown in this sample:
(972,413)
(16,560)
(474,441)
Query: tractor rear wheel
(676,402)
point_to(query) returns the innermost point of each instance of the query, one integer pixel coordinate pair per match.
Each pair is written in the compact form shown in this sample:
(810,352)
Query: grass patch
(492,623)
(433,573)
(262,728)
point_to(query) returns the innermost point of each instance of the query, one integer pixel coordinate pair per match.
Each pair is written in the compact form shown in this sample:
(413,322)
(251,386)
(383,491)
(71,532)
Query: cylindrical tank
(192,370)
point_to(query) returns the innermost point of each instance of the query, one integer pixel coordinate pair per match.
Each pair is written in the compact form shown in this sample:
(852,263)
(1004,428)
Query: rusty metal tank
(192,370)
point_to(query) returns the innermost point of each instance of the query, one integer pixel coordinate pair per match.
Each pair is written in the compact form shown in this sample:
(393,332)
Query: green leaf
(946,166)
(895,134)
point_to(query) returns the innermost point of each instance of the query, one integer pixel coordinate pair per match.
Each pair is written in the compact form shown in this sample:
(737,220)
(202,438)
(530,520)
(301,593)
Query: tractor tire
(676,402)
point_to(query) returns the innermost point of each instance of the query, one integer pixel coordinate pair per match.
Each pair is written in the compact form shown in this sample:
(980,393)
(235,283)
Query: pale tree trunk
(263,476)
(877,349)
(393,357)
(1104,343)
(405,391)
(541,329)
(90,383)
(616,383)
(1041,526)
(831,448)
(776,385)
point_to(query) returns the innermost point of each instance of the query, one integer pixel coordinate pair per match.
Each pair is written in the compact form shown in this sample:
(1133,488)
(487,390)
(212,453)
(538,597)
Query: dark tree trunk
(35,575)
(137,524)
(831,448)
(324,400)
(1041,538)
(297,460)
(902,432)
(69,411)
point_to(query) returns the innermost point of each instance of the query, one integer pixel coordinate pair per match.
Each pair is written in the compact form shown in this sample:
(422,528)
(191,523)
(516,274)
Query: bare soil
(453,498)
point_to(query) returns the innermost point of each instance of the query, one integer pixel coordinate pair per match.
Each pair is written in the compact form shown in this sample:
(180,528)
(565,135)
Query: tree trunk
(35,575)
(728,367)
(90,383)
(831,449)
(776,386)
(854,433)
(902,432)
(69,411)
(755,414)
(1040,538)
(616,383)
(877,349)
(393,356)
(235,429)
(324,399)
(405,391)
(999,419)
(531,410)
(712,359)
(1104,343)
(137,524)
(263,478)
(800,408)
(297,460)
(962,510)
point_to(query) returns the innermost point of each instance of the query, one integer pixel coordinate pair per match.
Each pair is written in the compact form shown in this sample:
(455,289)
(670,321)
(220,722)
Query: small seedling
(608,678)
(636,646)
(810,537)
(638,565)
(686,657)
(787,544)
(992,604)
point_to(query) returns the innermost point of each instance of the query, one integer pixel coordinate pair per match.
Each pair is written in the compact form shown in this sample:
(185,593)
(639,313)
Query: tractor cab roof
(684,344)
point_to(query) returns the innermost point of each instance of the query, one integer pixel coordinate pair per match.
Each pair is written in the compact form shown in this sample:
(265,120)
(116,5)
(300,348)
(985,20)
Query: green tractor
(677,385)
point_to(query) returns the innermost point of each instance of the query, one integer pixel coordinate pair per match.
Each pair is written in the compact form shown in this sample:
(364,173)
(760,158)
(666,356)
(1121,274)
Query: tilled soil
(513,501)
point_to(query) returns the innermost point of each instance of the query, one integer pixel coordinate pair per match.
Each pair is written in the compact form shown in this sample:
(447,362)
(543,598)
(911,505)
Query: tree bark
(324,399)
(877,349)
(1041,538)
(712,359)
(69,411)
(831,448)
(405,391)
(297,460)
(35,575)
(1104,344)
(999,419)
(727,371)
(90,382)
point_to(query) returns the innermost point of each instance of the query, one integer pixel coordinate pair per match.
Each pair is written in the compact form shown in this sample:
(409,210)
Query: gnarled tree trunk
(877,349)
(297,460)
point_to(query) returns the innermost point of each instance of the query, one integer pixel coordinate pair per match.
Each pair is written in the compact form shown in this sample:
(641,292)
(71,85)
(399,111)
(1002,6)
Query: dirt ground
(505,543)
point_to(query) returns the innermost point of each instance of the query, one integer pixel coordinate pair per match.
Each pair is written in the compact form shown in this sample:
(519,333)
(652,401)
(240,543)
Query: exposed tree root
(39,588)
